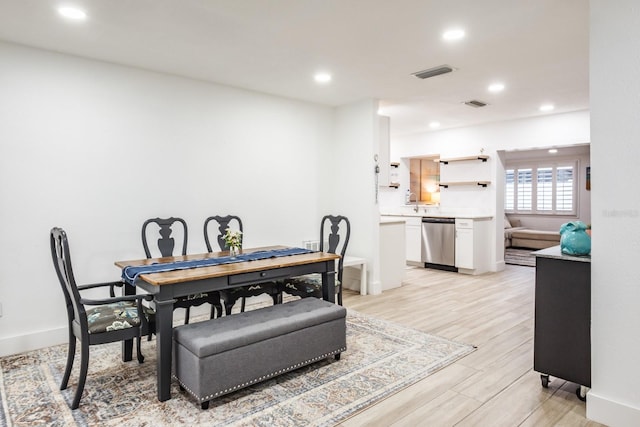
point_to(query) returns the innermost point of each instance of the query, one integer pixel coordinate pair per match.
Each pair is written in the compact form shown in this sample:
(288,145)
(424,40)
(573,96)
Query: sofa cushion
(553,236)
(509,232)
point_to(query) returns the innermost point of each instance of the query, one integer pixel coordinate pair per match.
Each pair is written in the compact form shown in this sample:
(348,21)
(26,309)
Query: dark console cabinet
(562,339)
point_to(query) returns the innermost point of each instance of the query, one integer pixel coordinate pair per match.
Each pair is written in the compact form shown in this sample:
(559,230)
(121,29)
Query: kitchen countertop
(556,253)
(438,215)
(391,221)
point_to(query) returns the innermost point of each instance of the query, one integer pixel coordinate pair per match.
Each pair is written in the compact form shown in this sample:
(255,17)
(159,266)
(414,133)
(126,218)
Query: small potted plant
(233,240)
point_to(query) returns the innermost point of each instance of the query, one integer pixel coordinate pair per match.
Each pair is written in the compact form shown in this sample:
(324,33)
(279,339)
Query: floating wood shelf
(481,157)
(458,183)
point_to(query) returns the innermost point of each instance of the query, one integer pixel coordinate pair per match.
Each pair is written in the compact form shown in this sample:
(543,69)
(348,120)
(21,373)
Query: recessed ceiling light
(553,150)
(453,34)
(434,125)
(72,13)
(322,77)
(547,107)
(496,87)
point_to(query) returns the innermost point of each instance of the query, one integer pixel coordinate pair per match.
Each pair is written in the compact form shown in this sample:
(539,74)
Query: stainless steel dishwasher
(439,243)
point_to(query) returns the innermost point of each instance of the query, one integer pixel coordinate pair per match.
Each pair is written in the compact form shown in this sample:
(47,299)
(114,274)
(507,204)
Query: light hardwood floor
(495,385)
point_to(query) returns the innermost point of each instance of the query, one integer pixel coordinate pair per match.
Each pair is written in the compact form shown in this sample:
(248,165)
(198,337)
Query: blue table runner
(131,273)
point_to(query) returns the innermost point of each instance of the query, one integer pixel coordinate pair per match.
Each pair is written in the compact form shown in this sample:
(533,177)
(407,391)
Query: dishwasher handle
(439,220)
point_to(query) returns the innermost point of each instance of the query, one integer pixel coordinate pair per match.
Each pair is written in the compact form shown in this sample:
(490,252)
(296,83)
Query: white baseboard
(375,288)
(41,339)
(611,413)
(33,341)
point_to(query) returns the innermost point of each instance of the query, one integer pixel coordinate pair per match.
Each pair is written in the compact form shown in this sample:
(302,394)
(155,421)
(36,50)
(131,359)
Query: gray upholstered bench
(219,356)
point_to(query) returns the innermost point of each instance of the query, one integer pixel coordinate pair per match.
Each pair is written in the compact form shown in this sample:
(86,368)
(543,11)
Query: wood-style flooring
(494,386)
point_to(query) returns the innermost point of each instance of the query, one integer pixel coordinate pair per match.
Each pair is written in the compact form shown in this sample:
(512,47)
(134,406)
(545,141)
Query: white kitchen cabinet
(464,244)
(392,254)
(413,237)
(472,242)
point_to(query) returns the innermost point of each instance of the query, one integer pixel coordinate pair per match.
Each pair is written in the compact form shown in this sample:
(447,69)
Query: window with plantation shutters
(541,189)
(524,189)
(509,196)
(564,189)
(544,189)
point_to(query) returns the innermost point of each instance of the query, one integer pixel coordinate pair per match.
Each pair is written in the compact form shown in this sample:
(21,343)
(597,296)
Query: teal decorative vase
(574,239)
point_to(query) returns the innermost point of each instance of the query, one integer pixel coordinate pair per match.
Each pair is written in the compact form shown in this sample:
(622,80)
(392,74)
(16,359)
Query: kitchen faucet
(415,209)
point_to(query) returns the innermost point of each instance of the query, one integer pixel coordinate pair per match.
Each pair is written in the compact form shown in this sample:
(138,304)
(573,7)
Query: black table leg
(164,343)
(329,283)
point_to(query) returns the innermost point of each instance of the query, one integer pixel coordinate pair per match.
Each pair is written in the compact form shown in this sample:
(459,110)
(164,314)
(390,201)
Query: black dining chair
(231,296)
(95,321)
(337,229)
(166,245)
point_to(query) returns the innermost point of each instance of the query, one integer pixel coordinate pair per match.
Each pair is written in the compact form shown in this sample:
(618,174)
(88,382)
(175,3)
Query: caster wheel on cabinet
(545,380)
(581,392)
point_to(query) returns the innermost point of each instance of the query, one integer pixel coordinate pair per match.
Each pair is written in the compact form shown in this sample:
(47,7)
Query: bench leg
(205,405)
(337,356)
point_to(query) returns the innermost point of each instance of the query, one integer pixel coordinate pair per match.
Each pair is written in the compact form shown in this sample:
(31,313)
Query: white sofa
(510,225)
(522,237)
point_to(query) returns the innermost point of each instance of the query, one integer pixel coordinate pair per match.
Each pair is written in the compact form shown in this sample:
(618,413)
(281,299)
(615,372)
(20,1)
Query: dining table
(170,277)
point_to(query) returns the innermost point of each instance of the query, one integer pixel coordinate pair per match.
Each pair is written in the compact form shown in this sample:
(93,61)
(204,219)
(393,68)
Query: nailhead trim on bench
(262,378)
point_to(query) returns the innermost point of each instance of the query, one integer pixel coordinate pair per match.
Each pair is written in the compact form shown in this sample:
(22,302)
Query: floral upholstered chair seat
(115,316)
(308,285)
(230,296)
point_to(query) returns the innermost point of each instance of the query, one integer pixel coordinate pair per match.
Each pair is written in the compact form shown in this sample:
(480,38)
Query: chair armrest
(113,285)
(98,285)
(87,301)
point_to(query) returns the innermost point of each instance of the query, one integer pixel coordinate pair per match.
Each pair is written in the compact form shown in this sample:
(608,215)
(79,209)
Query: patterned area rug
(381,359)
(517,256)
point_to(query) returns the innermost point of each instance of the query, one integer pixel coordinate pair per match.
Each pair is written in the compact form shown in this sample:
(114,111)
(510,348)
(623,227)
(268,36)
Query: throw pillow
(507,224)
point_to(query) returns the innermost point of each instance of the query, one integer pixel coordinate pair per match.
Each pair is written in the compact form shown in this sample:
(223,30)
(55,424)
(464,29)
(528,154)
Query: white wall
(350,159)
(615,289)
(98,148)
(493,138)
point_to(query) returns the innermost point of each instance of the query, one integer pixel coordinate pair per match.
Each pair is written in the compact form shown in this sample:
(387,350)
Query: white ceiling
(537,48)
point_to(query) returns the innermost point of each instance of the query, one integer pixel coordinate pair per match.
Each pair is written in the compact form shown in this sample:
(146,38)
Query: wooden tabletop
(178,276)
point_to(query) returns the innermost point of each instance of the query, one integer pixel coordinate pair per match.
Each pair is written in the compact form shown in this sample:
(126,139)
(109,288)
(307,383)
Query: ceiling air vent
(432,72)
(475,103)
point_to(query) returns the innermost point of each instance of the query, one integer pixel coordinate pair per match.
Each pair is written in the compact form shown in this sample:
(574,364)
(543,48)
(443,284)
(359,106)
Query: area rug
(516,256)
(381,359)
